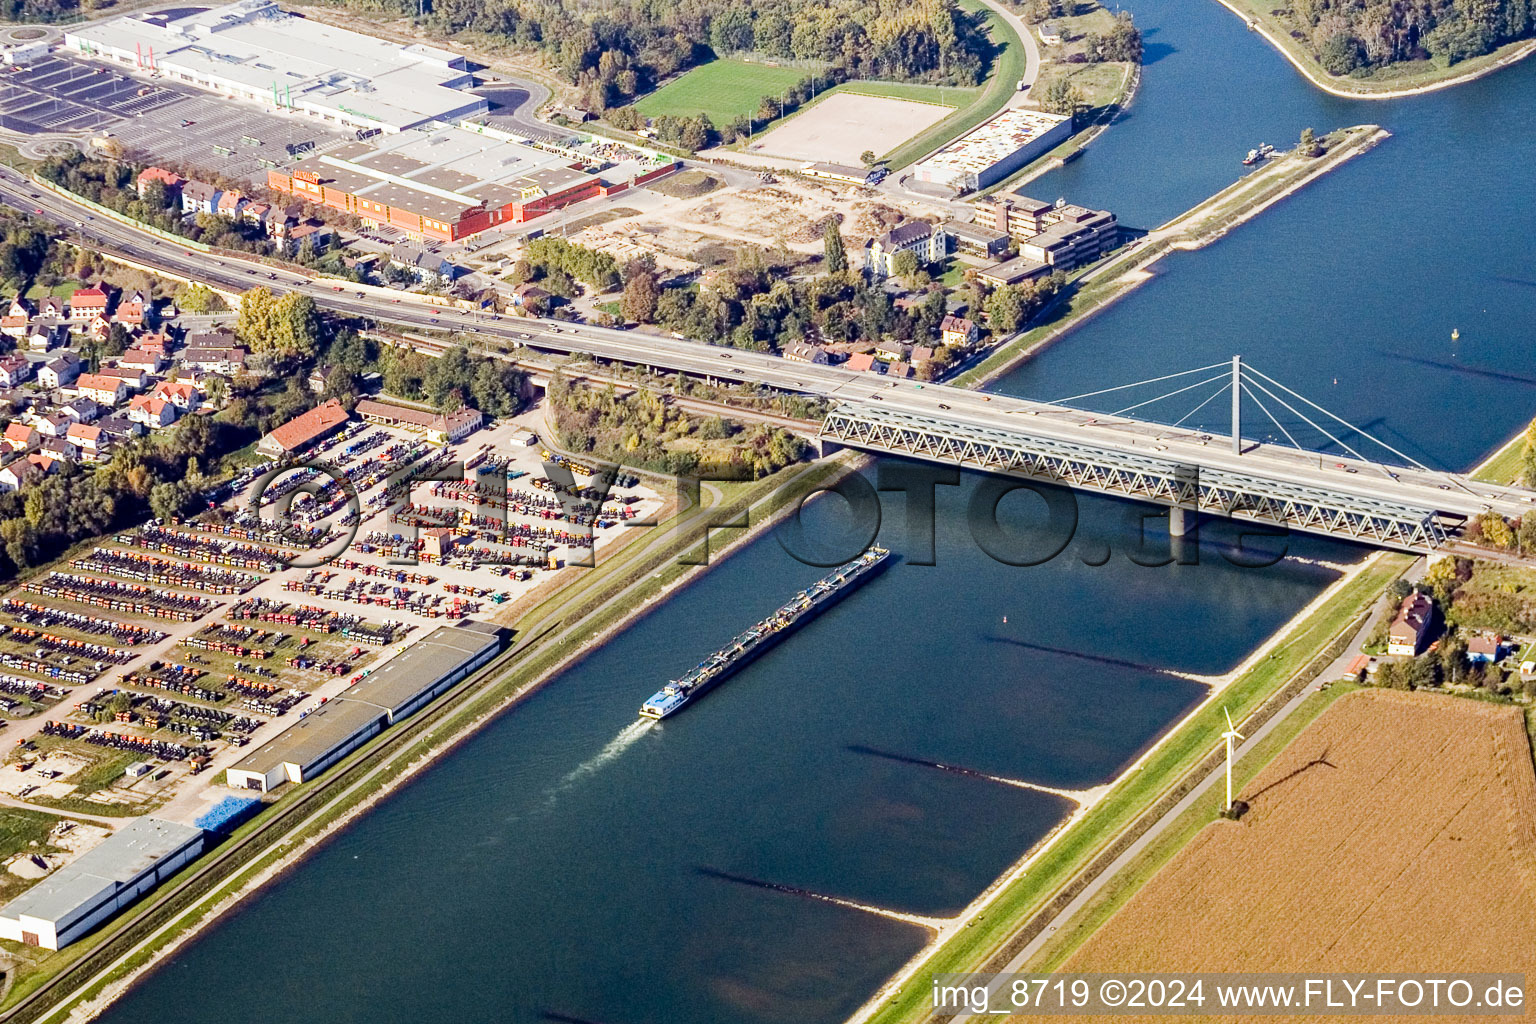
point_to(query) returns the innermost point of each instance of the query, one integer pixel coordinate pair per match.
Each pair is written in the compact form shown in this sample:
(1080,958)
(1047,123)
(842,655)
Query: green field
(723,89)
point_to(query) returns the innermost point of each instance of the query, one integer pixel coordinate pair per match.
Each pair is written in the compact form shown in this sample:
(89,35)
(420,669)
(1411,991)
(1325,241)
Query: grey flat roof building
(402,686)
(100,882)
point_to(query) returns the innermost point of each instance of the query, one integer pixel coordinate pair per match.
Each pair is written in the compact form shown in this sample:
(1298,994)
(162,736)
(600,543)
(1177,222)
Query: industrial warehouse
(255,51)
(79,896)
(406,684)
(444,182)
(994,150)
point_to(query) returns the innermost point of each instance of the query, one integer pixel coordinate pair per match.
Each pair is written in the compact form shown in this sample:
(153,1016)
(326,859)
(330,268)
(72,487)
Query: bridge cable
(1314,426)
(1139,383)
(1340,419)
(1180,391)
(1251,394)
(1180,421)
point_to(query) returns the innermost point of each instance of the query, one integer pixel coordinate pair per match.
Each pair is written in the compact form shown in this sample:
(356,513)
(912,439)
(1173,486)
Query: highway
(1140,442)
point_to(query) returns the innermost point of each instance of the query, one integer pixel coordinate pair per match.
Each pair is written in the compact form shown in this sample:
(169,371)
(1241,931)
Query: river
(567,865)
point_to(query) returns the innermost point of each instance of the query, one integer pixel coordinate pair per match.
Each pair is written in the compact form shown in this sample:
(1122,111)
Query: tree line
(1352,36)
(614,50)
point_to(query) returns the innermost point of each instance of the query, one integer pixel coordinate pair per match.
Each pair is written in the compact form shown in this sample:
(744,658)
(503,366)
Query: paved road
(1031,51)
(904,406)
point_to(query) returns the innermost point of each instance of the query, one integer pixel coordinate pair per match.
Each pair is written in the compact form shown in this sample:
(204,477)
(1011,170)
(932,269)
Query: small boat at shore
(1251,159)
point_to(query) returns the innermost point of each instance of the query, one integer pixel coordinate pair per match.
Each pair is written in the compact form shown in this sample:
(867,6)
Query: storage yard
(165,667)
(1394,835)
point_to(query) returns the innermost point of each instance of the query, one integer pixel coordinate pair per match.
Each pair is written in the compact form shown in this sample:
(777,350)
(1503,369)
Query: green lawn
(723,89)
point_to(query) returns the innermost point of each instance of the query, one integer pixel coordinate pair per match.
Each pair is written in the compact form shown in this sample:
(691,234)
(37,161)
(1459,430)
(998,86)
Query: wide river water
(565,864)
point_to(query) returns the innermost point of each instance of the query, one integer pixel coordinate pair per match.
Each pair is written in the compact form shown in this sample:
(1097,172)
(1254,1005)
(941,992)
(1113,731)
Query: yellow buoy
(1455,334)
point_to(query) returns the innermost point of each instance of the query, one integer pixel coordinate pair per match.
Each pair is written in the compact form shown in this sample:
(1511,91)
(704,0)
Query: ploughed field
(1396,834)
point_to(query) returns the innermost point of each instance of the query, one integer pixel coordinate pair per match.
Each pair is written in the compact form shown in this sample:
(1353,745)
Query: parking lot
(164,123)
(58,94)
(238,140)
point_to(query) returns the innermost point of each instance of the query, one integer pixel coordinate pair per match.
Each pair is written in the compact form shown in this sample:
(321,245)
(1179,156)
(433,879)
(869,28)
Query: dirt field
(790,212)
(841,127)
(1395,834)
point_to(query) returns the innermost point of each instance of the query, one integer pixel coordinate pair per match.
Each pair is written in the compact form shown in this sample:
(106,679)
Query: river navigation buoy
(1455,334)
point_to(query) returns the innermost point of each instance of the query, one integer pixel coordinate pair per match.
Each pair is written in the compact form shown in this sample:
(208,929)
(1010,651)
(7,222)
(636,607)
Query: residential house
(60,371)
(916,236)
(182,394)
(45,337)
(98,327)
(86,303)
(19,474)
(901,369)
(53,424)
(1406,633)
(101,389)
(957,330)
(320,377)
(920,354)
(428,267)
(865,362)
(230,204)
(259,214)
(319,236)
(170,179)
(892,351)
(133,376)
(198,197)
(60,449)
(19,436)
(1485,649)
(118,427)
(15,325)
(52,308)
(137,358)
(225,359)
(91,441)
(152,412)
(131,310)
(81,410)
(14,369)
(531,300)
(801,352)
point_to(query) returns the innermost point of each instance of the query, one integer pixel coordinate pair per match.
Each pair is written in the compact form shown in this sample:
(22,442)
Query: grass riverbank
(1504,465)
(1409,78)
(1104,285)
(1000,926)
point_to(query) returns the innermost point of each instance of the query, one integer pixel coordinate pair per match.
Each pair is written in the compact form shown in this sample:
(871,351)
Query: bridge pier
(1181,521)
(825,447)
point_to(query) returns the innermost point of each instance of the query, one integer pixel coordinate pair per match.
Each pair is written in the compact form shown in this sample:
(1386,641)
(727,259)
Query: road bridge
(1402,506)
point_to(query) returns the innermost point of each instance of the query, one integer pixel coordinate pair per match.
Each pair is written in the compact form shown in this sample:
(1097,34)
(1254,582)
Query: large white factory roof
(991,141)
(264,52)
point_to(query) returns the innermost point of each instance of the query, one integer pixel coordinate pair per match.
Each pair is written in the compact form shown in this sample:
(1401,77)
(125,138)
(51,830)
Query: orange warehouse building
(436,213)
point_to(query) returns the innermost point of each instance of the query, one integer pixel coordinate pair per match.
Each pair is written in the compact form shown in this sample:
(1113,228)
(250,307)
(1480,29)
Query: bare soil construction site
(1394,835)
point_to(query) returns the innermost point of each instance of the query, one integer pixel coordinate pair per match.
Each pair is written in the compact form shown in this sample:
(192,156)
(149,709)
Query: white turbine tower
(1230,735)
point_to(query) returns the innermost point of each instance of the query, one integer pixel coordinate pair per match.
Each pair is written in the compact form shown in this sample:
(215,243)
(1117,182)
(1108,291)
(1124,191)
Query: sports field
(723,89)
(845,125)
(1395,834)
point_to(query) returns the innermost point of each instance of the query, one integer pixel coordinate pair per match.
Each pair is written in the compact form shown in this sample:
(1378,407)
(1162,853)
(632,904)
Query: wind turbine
(1230,735)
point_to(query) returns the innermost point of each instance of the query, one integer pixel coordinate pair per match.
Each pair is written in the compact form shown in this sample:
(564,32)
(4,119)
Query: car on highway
(943,406)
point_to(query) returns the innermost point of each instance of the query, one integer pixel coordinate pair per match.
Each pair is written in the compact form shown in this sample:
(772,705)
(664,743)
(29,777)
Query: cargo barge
(747,645)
